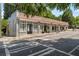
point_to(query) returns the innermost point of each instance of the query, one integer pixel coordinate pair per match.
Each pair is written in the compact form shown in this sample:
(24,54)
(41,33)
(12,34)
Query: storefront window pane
(22,27)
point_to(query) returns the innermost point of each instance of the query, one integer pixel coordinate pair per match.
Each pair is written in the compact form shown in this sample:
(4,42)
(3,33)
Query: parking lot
(29,49)
(35,48)
(62,44)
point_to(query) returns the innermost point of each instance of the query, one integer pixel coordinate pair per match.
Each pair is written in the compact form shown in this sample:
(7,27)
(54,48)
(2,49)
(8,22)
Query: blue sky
(55,11)
(2,12)
(74,11)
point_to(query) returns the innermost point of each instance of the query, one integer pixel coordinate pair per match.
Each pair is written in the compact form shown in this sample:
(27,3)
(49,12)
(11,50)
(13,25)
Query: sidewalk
(25,37)
(63,34)
(45,36)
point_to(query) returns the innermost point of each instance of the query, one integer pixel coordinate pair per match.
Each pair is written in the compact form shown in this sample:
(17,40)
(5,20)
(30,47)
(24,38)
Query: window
(22,27)
(35,26)
(52,27)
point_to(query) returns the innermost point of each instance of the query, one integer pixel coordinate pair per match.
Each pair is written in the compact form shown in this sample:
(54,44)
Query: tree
(29,8)
(40,9)
(67,16)
(4,24)
(8,10)
(77,21)
(76,5)
(59,6)
(0,20)
(58,18)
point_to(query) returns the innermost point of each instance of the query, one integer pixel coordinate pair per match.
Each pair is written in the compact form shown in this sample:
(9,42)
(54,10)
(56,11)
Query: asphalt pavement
(63,44)
(32,48)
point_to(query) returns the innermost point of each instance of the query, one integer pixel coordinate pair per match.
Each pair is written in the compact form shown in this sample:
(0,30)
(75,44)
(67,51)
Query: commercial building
(21,24)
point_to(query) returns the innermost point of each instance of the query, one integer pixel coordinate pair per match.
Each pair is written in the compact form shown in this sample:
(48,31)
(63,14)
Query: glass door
(29,28)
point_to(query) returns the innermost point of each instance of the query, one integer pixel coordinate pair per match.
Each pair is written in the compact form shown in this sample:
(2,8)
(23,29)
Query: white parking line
(57,49)
(15,44)
(74,49)
(47,52)
(39,52)
(6,49)
(27,46)
(18,44)
(21,49)
(27,43)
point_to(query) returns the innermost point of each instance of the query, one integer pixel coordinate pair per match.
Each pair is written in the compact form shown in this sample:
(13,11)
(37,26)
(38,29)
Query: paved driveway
(42,48)
(63,44)
(31,48)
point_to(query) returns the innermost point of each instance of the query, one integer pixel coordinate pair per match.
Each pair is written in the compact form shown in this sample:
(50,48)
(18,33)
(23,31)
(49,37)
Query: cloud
(76,12)
(57,12)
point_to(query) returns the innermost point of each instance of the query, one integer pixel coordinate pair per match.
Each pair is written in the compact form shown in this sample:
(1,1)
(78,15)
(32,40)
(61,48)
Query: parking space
(2,49)
(75,51)
(24,48)
(56,53)
(28,51)
(63,44)
(31,48)
(57,44)
(62,47)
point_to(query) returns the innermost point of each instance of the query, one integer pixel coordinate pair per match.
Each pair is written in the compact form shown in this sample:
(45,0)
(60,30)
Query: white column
(56,28)
(50,28)
(17,29)
(26,27)
(59,28)
(65,28)
(33,30)
(39,28)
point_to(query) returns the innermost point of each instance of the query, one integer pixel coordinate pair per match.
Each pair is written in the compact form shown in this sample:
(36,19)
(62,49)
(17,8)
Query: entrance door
(45,29)
(29,28)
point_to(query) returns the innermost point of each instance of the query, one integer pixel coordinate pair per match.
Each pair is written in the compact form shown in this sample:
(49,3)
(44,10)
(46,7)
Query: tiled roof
(38,19)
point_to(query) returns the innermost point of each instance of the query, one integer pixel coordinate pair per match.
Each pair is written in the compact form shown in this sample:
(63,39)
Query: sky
(74,11)
(2,12)
(55,11)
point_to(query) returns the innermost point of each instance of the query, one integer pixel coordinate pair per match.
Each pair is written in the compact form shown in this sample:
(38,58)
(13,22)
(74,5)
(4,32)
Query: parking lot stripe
(74,49)
(21,49)
(46,52)
(18,44)
(39,52)
(15,44)
(56,49)
(6,49)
